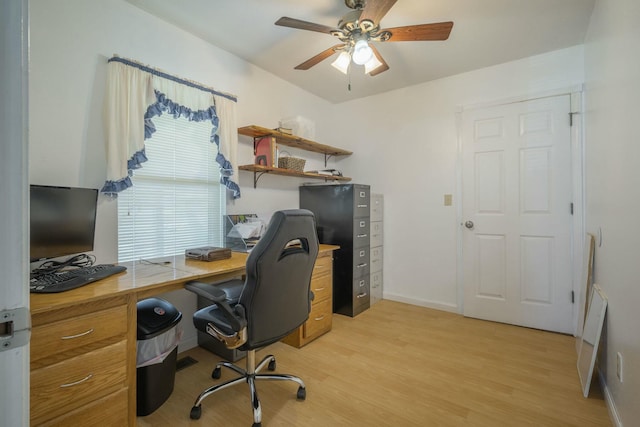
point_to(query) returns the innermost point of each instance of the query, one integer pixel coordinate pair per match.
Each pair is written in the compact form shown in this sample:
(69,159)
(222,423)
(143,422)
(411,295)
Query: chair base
(249,375)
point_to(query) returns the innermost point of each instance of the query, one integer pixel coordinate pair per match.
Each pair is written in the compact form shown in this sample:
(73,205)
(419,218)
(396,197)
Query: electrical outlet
(619,366)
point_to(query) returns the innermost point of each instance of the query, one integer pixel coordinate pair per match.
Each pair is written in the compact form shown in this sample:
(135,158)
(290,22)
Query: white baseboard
(452,308)
(611,405)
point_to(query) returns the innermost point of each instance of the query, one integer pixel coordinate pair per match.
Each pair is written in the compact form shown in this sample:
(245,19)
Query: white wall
(612,70)
(71,41)
(405,145)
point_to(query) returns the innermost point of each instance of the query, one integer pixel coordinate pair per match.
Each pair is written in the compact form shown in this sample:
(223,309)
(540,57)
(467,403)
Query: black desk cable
(48,267)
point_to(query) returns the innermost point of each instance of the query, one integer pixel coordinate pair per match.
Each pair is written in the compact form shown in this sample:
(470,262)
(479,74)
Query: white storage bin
(300,126)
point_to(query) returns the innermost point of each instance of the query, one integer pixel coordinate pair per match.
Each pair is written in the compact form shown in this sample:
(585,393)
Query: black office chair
(273,301)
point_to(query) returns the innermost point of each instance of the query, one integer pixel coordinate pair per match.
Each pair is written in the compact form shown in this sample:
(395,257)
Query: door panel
(516,173)
(491,258)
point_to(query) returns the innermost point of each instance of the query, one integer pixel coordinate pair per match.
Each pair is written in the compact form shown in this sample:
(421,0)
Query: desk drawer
(62,387)
(77,332)
(319,319)
(322,288)
(323,266)
(110,410)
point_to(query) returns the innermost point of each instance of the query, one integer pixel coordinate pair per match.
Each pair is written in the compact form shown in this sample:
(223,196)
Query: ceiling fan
(358,29)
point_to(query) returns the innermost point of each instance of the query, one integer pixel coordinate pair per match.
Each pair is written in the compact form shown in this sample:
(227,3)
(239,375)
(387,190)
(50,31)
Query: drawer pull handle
(362,206)
(87,378)
(319,289)
(361,283)
(361,295)
(319,318)
(361,235)
(364,264)
(70,337)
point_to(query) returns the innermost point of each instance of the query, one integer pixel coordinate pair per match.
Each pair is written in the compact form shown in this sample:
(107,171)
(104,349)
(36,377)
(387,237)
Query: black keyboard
(71,279)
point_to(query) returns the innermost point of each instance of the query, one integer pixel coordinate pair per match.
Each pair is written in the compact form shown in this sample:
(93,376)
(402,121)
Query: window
(177,201)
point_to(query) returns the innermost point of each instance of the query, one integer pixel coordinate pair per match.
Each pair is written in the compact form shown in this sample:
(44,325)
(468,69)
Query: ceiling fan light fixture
(342,62)
(372,64)
(362,52)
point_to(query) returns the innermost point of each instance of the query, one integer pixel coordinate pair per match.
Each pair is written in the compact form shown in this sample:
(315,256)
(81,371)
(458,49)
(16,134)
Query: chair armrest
(207,291)
(235,317)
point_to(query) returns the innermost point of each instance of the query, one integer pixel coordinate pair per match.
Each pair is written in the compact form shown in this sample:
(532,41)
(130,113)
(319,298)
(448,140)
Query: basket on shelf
(294,163)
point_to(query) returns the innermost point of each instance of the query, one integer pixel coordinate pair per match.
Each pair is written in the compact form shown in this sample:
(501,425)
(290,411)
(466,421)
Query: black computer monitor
(63,221)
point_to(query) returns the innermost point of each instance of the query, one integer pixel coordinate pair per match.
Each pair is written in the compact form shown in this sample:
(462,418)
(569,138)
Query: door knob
(469,224)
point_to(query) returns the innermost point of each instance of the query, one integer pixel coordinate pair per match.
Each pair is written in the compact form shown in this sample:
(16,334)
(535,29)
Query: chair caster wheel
(256,425)
(302,393)
(196,411)
(216,373)
(272,365)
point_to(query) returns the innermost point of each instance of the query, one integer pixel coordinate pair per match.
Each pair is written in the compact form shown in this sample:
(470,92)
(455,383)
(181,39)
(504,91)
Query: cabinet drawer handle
(70,337)
(319,318)
(361,283)
(87,378)
(361,295)
(319,289)
(362,206)
(364,264)
(361,235)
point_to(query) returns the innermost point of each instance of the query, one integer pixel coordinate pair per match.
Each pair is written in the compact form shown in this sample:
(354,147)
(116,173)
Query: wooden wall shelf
(281,138)
(259,170)
(292,140)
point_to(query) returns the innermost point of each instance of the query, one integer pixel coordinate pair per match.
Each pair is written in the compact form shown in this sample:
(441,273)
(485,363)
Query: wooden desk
(83,342)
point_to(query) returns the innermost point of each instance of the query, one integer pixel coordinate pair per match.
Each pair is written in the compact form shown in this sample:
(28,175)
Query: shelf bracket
(256,177)
(327,156)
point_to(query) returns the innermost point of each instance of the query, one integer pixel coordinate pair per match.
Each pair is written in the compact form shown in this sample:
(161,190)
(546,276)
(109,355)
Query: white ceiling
(485,33)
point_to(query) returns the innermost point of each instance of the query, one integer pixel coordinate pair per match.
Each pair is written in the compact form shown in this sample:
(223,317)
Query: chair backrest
(276,295)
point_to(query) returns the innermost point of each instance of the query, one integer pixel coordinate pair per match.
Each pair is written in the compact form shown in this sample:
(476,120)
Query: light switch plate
(448,199)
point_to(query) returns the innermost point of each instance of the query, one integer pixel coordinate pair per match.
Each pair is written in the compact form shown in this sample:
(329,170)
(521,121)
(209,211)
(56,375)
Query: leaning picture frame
(590,337)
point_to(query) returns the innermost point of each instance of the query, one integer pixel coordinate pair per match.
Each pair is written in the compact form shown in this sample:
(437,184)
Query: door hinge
(572,297)
(571,114)
(571,208)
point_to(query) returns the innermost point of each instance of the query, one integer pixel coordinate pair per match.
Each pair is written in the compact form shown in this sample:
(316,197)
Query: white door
(516,173)
(14,196)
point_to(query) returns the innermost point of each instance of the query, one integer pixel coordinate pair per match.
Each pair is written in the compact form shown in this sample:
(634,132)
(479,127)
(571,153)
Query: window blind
(177,201)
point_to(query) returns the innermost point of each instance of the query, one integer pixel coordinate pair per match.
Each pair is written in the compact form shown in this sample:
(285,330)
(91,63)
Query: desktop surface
(143,278)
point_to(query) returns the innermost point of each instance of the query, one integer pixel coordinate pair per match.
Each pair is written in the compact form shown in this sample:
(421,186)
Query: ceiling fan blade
(423,32)
(381,68)
(374,10)
(319,57)
(303,25)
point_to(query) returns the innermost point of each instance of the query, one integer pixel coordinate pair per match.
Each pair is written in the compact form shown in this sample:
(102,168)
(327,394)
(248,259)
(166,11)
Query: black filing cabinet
(342,218)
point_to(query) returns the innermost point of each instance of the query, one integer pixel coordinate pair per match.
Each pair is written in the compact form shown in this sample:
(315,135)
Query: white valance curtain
(137,93)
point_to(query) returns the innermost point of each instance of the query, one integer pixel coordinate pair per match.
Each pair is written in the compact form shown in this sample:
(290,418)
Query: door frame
(14,246)
(577,186)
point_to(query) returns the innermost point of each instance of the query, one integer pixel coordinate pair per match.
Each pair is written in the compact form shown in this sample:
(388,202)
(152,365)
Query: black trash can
(158,338)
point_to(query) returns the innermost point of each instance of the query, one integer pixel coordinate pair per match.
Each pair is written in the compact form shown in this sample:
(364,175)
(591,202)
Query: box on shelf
(299,126)
(265,148)
(294,163)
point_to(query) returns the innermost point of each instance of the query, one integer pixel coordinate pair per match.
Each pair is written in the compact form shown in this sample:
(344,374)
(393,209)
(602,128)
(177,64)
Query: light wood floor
(402,365)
